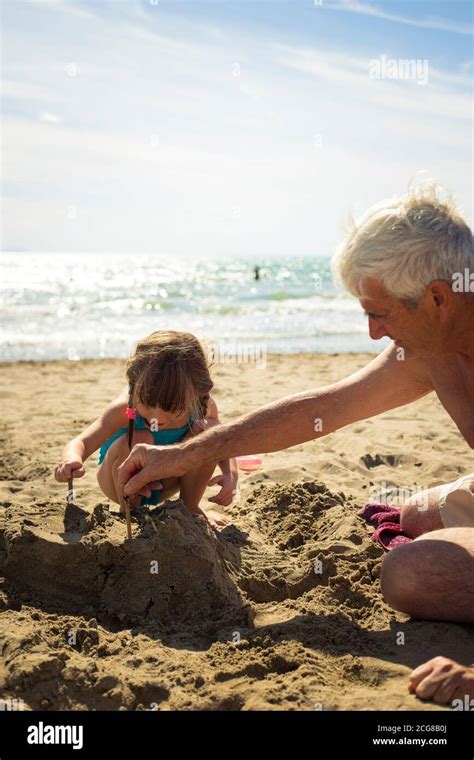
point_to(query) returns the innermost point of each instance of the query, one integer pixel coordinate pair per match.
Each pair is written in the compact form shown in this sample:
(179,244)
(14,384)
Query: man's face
(411,328)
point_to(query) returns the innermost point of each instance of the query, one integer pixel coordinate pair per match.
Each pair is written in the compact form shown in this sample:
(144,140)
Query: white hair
(406,243)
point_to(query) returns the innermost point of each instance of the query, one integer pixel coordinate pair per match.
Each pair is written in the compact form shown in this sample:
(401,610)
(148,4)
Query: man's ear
(440,295)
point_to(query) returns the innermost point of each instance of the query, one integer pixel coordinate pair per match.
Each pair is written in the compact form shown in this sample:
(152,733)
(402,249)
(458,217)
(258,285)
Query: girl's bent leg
(116,454)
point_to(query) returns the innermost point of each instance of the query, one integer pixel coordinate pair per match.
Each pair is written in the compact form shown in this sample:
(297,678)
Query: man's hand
(146,464)
(442,680)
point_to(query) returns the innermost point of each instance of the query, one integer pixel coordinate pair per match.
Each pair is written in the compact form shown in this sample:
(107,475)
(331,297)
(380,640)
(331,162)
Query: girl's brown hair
(169,370)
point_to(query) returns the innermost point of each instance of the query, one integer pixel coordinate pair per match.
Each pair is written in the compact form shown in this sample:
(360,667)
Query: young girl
(167,400)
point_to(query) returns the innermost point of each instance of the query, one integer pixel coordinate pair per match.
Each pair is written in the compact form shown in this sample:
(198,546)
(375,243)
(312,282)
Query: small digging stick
(126,504)
(73,514)
(70,491)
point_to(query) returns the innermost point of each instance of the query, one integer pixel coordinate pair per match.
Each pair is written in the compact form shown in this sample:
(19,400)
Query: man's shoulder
(399,366)
(388,381)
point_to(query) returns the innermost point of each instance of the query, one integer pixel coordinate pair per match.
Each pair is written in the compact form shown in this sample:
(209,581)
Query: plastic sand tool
(249,463)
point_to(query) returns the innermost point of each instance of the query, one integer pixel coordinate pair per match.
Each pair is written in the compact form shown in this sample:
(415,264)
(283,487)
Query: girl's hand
(71,468)
(226,495)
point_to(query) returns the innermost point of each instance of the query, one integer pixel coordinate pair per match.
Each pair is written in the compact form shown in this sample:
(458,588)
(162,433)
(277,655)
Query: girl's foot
(214,518)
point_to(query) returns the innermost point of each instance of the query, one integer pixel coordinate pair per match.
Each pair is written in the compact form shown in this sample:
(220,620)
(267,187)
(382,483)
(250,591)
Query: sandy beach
(281,611)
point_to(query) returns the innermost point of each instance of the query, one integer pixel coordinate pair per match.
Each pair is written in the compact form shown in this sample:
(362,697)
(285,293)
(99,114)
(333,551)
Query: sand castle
(173,568)
(176,570)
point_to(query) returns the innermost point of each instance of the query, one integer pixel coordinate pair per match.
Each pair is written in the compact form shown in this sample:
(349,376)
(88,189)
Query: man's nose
(376,330)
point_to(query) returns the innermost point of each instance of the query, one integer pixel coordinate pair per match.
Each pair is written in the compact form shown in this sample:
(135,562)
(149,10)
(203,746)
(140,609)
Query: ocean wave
(99,306)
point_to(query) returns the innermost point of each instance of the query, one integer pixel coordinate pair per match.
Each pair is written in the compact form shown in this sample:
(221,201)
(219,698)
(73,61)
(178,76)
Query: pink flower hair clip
(131,413)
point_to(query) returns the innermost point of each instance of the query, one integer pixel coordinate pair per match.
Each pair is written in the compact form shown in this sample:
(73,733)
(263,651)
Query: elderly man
(410,262)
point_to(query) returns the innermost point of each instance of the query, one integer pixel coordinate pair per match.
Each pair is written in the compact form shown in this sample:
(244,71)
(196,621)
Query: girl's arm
(230,470)
(77,450)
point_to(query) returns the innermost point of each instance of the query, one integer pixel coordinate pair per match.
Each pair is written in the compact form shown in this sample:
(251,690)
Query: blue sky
(224,128)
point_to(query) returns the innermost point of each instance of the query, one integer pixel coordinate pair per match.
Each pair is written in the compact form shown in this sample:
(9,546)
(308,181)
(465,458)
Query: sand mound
(176,569)
(304,537)
(172,570)
(295,515)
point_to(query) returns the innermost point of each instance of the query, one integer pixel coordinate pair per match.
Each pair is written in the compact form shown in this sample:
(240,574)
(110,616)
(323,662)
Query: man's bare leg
(420,513)
(433,579)
(447,506)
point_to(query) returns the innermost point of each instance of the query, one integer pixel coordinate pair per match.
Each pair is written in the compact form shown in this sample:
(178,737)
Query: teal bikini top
(160,437)
(163,437)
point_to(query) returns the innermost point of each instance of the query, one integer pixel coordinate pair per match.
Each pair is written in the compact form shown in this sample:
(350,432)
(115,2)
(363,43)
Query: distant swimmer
(256,271)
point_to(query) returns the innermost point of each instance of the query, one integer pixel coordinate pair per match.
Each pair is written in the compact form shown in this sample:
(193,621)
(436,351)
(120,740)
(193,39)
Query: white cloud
(353,73)
(440,24)
(49,118)
(131,197)
(27,91)
(71,8)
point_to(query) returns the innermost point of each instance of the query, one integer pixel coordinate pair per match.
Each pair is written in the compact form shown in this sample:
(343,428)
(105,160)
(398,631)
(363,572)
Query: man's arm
(385,383)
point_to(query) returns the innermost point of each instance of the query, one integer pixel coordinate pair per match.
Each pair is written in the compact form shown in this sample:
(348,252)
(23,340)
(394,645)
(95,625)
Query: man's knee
(408,579)
(395,578)
(431,578)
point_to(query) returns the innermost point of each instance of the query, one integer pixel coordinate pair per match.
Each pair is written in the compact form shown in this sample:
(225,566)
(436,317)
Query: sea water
(84,306)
